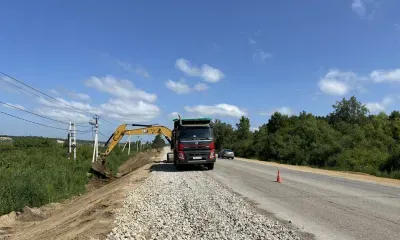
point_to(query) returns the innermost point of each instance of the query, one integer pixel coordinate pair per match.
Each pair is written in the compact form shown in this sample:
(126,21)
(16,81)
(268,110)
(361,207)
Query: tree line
(349,138)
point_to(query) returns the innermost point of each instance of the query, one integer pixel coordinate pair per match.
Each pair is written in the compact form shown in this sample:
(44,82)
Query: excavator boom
(121,131)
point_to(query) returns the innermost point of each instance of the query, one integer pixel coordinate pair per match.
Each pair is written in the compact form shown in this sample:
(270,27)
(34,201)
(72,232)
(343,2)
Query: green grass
(35,171)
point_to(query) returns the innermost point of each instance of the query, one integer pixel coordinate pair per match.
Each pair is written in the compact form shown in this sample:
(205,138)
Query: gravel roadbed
(191,205)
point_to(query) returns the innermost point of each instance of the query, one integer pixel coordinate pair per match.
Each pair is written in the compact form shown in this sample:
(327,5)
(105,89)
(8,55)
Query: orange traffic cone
(278,178)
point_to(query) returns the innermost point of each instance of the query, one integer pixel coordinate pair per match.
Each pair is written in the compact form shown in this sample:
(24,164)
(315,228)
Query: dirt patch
(141,159)
(349,175)
(89,216)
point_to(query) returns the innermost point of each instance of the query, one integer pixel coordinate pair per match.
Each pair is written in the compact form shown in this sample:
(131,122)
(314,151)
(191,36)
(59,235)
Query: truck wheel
(210,166)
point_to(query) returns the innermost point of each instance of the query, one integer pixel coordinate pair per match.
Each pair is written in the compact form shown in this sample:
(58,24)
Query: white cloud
(377,107)
(334,87)
(261,56)
(64,115)
(253,129)
(208,73)
(182,88)
(173,115)
(186,67)
(13,105)
(340,83)
(283,110)
(125,110)
(200,87)
(79,96)
(129,111)
(252,41)
(391,75)
(211,74)
(63,104)
(55,92)
(178,87)
(138,69)
(222,109)
(120,88)
(358,6)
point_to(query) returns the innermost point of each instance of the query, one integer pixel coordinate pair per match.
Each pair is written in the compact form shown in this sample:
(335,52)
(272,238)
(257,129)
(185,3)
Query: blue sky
(141,61)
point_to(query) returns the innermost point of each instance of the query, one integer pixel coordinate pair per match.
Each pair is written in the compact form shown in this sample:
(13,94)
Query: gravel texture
(191,205)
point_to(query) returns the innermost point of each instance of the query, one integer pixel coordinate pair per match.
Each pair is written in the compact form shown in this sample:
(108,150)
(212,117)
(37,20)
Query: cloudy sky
(145,61)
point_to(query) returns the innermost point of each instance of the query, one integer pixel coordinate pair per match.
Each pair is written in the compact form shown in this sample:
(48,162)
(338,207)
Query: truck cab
(193,142)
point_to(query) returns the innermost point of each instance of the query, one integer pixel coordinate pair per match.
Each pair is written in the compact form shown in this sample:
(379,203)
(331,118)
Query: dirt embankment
(89,216)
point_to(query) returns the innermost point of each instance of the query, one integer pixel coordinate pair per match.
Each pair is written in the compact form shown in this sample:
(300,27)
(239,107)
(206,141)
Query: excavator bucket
(99,167)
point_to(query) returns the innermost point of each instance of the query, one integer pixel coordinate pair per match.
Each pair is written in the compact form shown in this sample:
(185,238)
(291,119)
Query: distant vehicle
(226,153)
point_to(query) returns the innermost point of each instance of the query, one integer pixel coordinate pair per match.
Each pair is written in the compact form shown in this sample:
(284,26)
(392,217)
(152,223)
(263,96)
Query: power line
(105,120)
(103,135)
(15,85)
(32,113)
(44,125)
(26,85)
(36,90)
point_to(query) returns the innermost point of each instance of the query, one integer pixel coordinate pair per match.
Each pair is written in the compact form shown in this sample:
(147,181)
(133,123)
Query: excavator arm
(121,131)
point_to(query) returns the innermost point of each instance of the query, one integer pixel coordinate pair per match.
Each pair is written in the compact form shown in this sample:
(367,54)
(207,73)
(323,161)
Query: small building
(5,139)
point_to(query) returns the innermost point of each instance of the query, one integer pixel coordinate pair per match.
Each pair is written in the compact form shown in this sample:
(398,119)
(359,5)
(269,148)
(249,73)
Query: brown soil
(89,216)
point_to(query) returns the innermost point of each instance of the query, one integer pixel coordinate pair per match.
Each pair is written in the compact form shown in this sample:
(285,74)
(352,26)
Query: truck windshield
(195,133)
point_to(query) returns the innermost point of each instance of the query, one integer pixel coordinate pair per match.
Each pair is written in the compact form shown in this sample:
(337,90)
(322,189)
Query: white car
(226,153)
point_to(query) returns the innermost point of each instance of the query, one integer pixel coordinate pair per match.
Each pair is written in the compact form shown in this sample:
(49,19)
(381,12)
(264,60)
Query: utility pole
(129,146)
(69,140)
(74,139)
(96,138)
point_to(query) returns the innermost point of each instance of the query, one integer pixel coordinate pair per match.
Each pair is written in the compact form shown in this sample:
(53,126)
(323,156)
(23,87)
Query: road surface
(329,207)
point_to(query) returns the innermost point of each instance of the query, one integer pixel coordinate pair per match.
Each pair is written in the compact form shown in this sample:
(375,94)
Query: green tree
(350,111)
(158,142)
(243,128)
(223,134)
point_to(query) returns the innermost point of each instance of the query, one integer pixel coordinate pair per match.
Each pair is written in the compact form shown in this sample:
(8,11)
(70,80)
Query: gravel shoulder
(190,204)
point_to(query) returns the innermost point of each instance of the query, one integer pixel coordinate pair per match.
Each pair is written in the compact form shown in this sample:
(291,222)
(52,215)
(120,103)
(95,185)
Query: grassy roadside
(35,171)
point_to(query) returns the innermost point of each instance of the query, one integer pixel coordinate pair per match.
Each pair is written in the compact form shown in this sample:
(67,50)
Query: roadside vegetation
(35,171)
(347,139)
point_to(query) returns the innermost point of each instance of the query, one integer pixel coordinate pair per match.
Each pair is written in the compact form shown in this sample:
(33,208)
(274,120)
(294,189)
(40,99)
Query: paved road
(329,207)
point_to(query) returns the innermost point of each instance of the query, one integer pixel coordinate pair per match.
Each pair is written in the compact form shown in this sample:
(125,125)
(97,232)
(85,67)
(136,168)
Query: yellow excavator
(191,142)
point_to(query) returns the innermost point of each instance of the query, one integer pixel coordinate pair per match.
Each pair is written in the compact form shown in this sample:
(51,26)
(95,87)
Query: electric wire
(26,85)
(32,113)
(55,99)
(41,124)
(15,85)
(105,120)
(44,125)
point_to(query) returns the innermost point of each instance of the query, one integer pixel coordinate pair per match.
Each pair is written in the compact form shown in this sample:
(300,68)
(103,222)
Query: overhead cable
(41,124)
(36,90)
(10,105)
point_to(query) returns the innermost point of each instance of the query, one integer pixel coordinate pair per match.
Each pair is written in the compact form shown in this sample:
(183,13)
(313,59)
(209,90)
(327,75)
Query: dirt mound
(137,161)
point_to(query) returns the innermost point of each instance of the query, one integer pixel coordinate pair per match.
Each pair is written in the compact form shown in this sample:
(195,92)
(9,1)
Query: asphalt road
(329,207)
